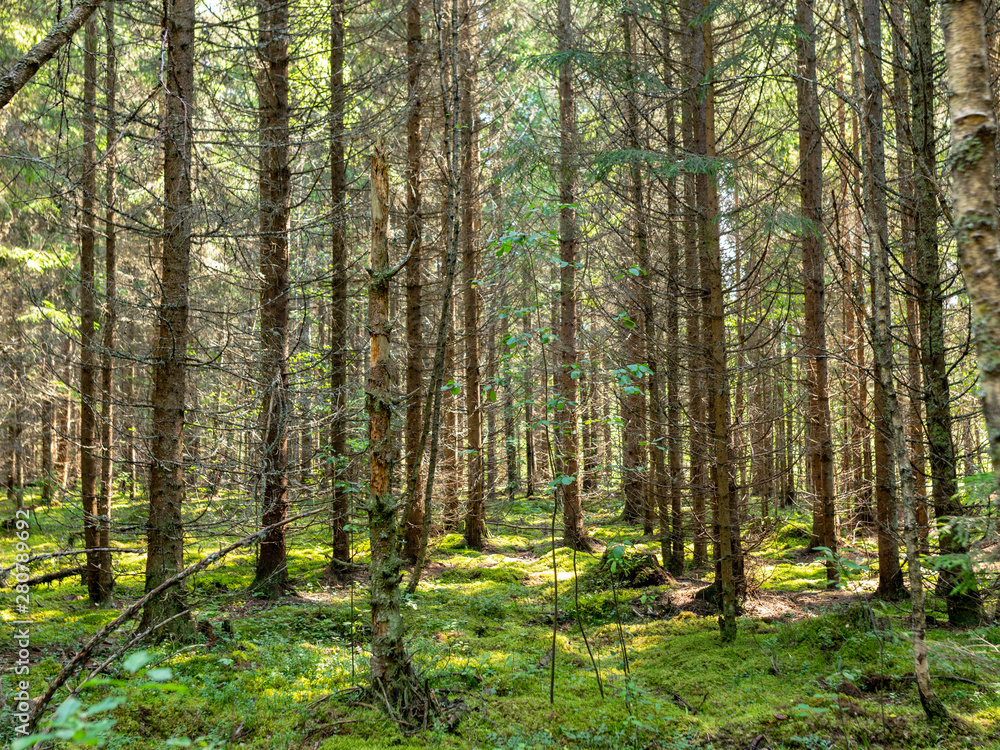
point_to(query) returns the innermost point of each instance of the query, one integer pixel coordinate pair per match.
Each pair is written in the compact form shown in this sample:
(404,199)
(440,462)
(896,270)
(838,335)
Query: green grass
(481,626)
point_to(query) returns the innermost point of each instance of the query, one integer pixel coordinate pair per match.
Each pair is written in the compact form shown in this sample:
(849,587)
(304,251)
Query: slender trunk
(635,438)
(88,319)
(469,236)
(693,285)
(673,559)
(876,221)
(708,209)
(390,666)
(529,417)
(414,274)
(882,345)
(820,441)
(165,530)
(340,500)
(962,596)
(568,450)
(105,578)
(271,577)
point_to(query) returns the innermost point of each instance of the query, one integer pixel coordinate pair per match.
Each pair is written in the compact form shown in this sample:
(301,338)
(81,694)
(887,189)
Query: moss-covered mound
(625,567)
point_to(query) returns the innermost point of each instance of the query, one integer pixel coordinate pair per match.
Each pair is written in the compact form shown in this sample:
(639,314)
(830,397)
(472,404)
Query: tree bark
(89,449)
(165,530)
(340,501)
(962,596)
(708,209)
(271,576)
(25,68)
(820,441)
(414,281)
(105,577)
(390,666)
(973,142)
(568,450)
(475,522)
(882,345)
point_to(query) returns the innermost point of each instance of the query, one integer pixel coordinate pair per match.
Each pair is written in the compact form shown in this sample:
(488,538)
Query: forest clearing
(500,374)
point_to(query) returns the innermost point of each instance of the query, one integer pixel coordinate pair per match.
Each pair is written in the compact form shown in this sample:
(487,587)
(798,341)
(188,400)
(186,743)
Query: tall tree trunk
(271,577)
(88,319)
(414,280)
(973,142)
(340,501)
(673,559)
(964,604)
(390,666)
(882,345)
(635,438)
(693,262)
(820,441)
(165,528)
(877,227)
(529,417)
(475,521)
(568,450)
(708,211)
(105,578)
(48,475)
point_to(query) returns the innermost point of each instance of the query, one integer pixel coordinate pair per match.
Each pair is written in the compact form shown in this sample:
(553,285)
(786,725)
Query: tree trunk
(568,450)
(105,577)
(634,478)
(271,577)
(973,143)
(165,529)
(708,210)
(820,441)
(340,501)
(390,666)
(964,604)
(22,71)
(890,576)
(882,345)
(414,281)
(475,521)
(88,319)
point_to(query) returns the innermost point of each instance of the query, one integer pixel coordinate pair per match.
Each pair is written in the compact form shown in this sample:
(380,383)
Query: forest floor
(812,669)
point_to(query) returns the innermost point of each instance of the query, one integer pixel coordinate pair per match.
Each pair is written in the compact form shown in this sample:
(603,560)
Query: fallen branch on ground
(82,655)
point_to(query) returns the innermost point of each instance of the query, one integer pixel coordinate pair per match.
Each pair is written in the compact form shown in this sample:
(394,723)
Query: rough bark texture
(672,550)
(475,520)
(964,605)
(883,349)
(165,530)
(634,477)
(877,227)
(340,501)
(390,666)
(88,319)
(22,71)
(973,143)
(414,282)
(567,452)
(819,441)
(105,578)
(274,187)
(708,207)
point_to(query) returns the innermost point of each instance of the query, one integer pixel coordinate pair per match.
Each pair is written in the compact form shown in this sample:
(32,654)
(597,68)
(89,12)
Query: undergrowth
(833,674)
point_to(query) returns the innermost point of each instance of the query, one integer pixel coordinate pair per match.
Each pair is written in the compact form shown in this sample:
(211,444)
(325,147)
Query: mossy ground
(480,625)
